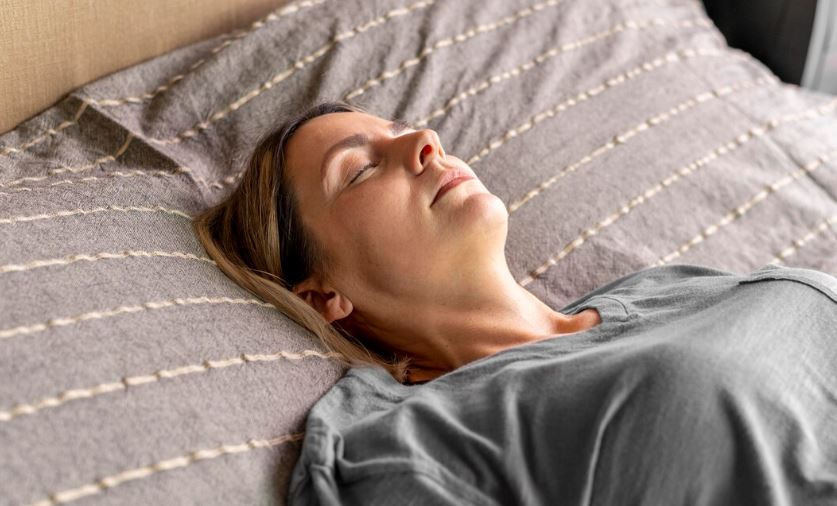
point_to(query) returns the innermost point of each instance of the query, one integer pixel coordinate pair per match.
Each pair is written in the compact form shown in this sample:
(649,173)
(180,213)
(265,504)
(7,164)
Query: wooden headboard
(50,47)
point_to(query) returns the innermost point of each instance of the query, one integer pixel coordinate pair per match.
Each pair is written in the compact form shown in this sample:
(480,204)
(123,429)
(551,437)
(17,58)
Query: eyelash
(361,171)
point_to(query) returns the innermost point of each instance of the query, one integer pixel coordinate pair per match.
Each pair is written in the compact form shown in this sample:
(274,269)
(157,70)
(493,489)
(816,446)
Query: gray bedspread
(621,134)
(699,387)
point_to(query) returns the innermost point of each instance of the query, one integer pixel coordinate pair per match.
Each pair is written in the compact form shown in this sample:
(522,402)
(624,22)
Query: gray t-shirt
(699,386)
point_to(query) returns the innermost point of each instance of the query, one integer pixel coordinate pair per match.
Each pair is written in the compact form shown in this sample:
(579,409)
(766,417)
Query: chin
(484,213)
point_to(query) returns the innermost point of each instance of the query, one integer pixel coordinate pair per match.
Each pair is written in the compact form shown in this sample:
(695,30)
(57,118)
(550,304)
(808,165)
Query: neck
(468,321)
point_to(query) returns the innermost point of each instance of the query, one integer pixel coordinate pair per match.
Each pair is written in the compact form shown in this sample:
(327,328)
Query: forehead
(321,132)
(306,147)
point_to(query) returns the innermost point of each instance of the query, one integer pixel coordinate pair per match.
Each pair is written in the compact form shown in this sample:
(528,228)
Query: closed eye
(361,171)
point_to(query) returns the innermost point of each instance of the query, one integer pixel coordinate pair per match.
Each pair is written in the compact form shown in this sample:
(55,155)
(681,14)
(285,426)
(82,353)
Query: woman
(672,385)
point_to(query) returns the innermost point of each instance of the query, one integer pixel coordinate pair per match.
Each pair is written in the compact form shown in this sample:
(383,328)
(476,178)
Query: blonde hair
(257,238)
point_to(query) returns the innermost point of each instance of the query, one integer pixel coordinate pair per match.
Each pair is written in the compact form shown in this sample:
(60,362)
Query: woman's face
(378,225)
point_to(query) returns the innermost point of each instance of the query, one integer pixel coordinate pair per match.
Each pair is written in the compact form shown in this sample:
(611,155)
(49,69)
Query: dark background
(776,32)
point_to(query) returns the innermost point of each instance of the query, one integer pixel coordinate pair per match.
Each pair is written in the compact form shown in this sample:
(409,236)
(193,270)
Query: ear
(330,303)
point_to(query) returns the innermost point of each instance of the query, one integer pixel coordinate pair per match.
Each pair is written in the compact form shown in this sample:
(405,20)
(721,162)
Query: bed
(621,134)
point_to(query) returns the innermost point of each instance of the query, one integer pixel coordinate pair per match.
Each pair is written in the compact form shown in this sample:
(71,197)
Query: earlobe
(338,307)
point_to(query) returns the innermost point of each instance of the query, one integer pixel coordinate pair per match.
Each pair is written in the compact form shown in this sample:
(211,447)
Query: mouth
(450,179)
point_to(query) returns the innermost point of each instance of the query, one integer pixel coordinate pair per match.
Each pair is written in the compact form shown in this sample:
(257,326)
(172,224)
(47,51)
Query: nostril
(426,150)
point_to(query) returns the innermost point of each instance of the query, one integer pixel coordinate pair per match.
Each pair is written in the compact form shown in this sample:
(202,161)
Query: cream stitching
(570,46)
(831,221)
(75,212)
(116,173)
(450,41)
(49,132)
(289,9)
(273,16)
(134,381)
(224,181)
(111,481)
(132,173)
(96,315)
(644,126)
(36,264)
(668,181)
(648,66)
(744,208)
(112,102)
(281,76)
(74,170)
(220,183)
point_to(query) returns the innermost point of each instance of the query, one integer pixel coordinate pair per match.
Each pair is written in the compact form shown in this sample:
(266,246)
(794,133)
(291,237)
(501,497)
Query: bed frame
(50,47)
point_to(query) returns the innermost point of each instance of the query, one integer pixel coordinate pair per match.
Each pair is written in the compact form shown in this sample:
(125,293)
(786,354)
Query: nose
(428,146)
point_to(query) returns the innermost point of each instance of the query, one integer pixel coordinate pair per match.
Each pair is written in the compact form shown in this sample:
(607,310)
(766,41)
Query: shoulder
(662,285)
(676,273)
(669,272)
(664,275)
(821,282)
(362,390)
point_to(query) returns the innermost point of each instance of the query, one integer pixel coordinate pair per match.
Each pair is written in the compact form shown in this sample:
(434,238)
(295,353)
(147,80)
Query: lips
(450,178)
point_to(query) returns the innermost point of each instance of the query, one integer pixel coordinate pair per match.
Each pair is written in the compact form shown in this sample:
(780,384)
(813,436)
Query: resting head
(341,208)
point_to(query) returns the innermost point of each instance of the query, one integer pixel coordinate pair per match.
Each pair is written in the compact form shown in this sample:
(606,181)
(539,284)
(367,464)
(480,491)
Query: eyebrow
(353,141)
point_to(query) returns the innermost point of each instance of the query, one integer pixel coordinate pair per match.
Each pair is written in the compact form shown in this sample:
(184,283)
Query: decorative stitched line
(273,16)
(111,481)
(644,126)
(221,183)
(115,173)
(721,150)
(289,9)
(281,76)
(146,379)
(36,264)
(655,64)
(621,78)
(74,212)
(831,221)
(450,41)
(569,46)
(744,208)
(96,315)
(74,170)
(228,39)
(48,133)
(231,179)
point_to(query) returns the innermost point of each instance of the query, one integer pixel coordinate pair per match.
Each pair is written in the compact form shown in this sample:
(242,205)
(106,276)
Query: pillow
(621,134)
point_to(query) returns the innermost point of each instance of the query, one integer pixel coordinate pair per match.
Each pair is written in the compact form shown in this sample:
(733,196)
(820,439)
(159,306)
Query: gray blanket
(699,387)
(620,133)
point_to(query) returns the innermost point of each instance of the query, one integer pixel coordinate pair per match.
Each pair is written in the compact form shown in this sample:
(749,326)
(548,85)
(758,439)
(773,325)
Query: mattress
(621,134)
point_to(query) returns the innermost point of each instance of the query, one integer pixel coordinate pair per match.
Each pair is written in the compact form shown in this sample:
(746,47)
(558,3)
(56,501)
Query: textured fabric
(620,133)
(699,387)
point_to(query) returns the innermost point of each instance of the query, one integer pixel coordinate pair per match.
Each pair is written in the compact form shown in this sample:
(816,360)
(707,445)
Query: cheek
(380,217)
(385,229)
